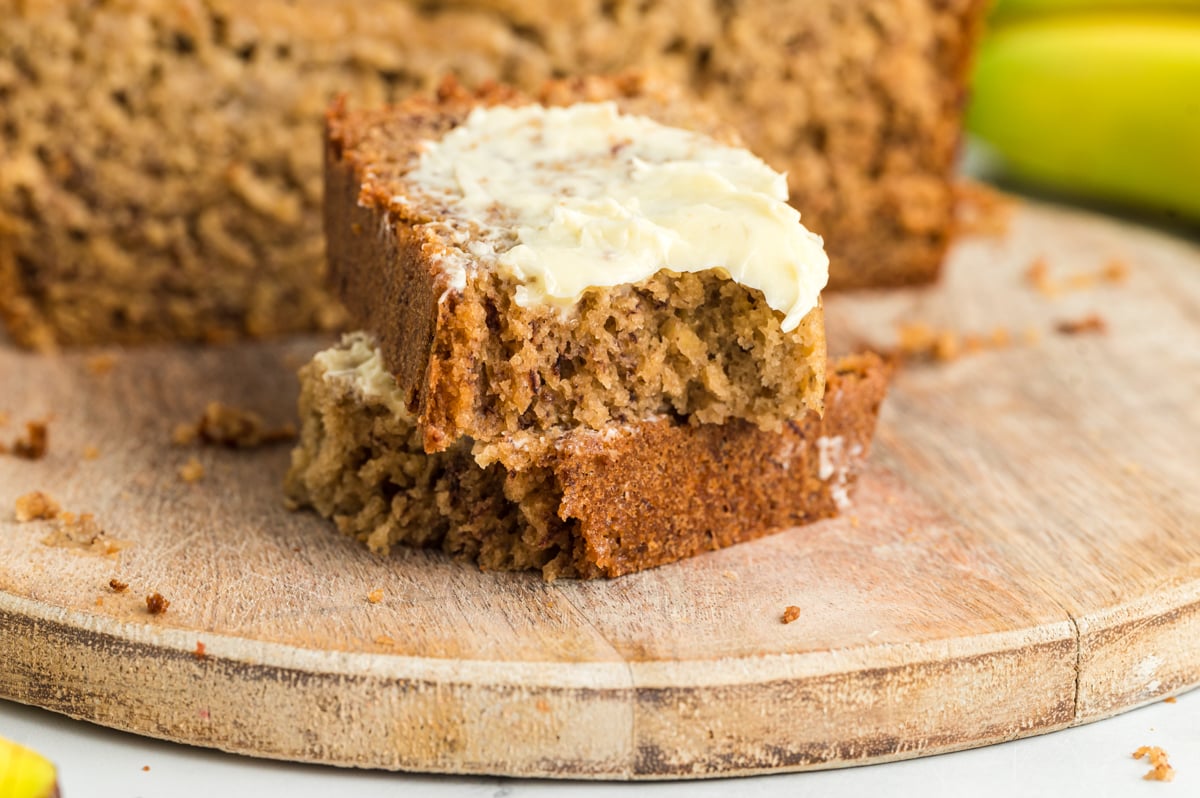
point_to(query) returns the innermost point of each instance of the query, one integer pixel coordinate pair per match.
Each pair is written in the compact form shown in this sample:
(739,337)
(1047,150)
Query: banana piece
(24,773)
(1102,105)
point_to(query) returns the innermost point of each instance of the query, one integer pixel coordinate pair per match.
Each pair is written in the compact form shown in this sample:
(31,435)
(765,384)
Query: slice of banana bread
(579,503)
(527,267)
(160,171)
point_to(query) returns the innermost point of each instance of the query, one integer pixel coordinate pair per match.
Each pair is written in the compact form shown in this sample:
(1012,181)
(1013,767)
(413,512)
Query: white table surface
(1093,760)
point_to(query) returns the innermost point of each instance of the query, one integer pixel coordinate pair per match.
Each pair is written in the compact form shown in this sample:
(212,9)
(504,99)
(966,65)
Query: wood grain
(1023,555)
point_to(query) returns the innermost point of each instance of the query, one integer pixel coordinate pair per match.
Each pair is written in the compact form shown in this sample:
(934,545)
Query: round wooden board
(1023,555)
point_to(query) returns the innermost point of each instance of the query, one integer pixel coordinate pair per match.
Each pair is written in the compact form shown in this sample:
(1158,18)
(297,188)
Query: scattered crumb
(375,596)
(99,601)
(1161,769)
(184,434)
(790,613)
(1092,323)
(982,210)
(32,445)
(1113,271)
(384,640)
(223,425)
(100,365)
(117,585)
(145,768)
(192,471)
(1170,699)
(542,705)
(82,532)
(199,652)
(36,506)
(90,452)
(156,604)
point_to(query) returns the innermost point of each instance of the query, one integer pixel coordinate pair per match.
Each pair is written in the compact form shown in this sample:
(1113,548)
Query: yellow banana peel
(24,773)
(1100,104)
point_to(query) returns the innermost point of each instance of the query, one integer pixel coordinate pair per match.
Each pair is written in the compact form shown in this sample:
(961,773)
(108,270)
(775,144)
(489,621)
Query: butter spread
(584,196)
(358,362)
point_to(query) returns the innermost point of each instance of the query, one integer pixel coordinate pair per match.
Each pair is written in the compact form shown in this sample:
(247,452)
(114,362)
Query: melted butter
(600,198)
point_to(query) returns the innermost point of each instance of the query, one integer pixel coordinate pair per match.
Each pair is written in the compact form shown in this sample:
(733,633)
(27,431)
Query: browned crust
(665,492)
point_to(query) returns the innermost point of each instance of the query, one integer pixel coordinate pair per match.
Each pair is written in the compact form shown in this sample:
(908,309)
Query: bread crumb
(1092,323)
(922,342)
(375,596)
(36,506)
(790,613)
(117,586)
(100,365)
(1161,769)
(33,444)
(223,425)
(1170,699)
(384,640)
(982,210)
(90,452)
(156,604)
(192,471)
(99,601)
(145,768)
(199,652)
(1113,271)
(542,705)
(81,531)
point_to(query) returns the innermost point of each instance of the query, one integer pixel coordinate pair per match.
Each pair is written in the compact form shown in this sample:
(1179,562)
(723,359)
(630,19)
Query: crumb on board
(145,768)
(1113,271)
(156,604)
(82,532)
(375,596)
(1092,323)
(1170,699)
(1160,768)
(790,613)
(199,652)
(36,506)
(33,444)
(982,210)
(223,425)
(100,365)
(542,705)
(192,471)
(384,640)
(90,452)
(117,586)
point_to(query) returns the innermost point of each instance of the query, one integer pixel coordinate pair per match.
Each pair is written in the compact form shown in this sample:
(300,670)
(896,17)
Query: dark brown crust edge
(667,492)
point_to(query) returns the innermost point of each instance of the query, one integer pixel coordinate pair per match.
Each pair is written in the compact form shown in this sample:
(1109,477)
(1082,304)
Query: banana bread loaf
(578,503)
(529,267)
(160,171)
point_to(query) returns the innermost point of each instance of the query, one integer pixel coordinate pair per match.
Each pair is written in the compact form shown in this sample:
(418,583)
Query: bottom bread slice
(577,503)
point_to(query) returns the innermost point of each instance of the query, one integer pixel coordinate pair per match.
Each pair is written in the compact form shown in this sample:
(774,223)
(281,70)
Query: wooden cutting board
(1023,555)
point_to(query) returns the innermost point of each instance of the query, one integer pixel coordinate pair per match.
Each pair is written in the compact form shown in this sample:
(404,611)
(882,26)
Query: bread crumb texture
(36,506)
(790,613)
(1160,768)
(32,445)
(117,586)
(192,471)
(156,604)
(375,596)
(223,425)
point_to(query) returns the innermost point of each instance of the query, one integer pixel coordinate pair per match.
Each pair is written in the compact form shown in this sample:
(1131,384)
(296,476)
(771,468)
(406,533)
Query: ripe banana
(1101,104)
(25,773)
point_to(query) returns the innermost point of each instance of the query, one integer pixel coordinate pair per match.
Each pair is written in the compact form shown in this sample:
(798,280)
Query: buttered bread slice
(597,255)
